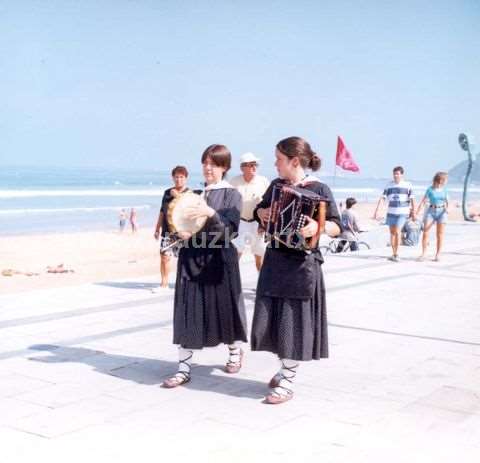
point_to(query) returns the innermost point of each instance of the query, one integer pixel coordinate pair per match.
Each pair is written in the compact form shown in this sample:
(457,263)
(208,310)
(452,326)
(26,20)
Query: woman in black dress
(290,317)
(179,177)
(209,307)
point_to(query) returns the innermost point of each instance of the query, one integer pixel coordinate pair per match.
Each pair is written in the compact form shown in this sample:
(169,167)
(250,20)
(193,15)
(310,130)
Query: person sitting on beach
(350,227)
(399,195)
(179,177)
(435,213)
(411,232)
(60,268)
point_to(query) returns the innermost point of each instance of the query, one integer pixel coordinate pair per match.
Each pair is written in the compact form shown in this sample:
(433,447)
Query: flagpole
(335,169)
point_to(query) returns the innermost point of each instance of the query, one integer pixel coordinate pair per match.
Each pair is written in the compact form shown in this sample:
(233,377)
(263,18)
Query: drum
(177,222)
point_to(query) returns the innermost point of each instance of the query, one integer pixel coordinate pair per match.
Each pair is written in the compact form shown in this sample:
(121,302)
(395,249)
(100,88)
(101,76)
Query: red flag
(344,157)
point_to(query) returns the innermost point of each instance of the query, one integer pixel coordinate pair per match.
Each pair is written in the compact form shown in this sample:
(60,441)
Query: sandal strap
(184,376)
(280,390)
(233,354)
(292,369)
(185,362)
(287,391)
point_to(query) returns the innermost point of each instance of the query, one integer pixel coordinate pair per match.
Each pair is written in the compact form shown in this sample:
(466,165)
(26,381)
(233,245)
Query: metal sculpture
(467,144)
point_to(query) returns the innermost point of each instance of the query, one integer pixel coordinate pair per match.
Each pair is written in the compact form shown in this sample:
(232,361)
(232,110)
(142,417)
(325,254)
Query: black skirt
(292,327)
(208,310)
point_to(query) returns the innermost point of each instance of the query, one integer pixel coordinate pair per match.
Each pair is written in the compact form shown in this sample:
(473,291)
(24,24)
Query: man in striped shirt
(399,196)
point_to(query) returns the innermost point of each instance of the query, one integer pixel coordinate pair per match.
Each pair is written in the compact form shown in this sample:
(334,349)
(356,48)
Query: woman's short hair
(298,147)
(180,170)
(220,156)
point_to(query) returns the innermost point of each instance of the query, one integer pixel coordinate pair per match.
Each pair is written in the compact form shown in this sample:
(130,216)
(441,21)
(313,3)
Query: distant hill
(457,173)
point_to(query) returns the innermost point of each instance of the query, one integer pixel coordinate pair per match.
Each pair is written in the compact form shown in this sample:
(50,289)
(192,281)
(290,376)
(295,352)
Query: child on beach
(435,213)
(122,219)
(290,318)
(411,232)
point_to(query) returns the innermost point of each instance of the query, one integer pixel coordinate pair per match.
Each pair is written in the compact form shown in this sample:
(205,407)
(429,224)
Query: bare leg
(164,269)
(394,239)
(258,262)
(440,232)
(426,230)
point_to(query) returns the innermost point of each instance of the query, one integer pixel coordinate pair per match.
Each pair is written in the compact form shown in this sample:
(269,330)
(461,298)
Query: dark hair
(350,202)
(398,169)
(180,170)
(220,155)
(438,176)
(296,147)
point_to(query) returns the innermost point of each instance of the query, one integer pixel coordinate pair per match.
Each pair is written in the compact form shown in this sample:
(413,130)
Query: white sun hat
(248,157)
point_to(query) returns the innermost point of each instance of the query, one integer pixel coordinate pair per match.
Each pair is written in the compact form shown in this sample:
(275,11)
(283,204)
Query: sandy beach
(93,257)
(103,256)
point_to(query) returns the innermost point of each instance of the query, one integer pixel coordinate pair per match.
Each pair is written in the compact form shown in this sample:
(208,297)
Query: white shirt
(251,192)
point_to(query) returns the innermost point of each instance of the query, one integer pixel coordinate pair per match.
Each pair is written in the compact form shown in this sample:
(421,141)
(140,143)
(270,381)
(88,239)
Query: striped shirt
(398,196)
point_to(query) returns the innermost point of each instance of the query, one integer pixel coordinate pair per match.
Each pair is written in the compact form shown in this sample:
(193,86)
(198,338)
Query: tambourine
(177,221)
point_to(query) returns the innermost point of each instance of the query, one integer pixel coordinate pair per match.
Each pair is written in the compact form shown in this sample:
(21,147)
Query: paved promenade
(80,370)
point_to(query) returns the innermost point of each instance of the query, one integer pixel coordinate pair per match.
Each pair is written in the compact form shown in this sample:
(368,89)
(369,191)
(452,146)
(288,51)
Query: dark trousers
(343,243)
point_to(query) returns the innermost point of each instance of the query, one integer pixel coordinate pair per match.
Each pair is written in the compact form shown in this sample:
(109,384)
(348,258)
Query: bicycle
(340,245)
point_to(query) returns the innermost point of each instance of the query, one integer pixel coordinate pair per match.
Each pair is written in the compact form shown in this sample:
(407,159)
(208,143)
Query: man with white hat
(252,187)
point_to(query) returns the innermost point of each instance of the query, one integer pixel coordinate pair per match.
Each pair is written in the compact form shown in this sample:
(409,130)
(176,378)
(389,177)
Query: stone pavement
(80,369)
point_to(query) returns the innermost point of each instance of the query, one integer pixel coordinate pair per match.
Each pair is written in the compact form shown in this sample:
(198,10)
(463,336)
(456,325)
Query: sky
(150,84)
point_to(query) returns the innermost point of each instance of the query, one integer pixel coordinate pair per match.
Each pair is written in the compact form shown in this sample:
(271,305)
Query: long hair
(437,178)
(296,147)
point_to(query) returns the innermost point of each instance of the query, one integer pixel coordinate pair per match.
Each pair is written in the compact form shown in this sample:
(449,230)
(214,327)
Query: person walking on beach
(133,220)
(252,187)
(179,177)
(401,204)
(122,220)
(290,317)
(436,212)
(208,304)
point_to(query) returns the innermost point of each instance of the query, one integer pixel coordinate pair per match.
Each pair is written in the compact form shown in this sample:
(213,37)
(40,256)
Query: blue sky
(150,84)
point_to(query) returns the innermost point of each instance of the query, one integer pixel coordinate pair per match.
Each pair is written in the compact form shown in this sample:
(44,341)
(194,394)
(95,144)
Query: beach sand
(104,256)
(94,257)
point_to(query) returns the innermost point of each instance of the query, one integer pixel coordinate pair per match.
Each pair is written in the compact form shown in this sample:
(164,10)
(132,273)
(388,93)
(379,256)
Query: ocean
(41,200)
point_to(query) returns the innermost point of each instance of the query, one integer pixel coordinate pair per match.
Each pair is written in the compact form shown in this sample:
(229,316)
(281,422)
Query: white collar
(218,186)
(309,178)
